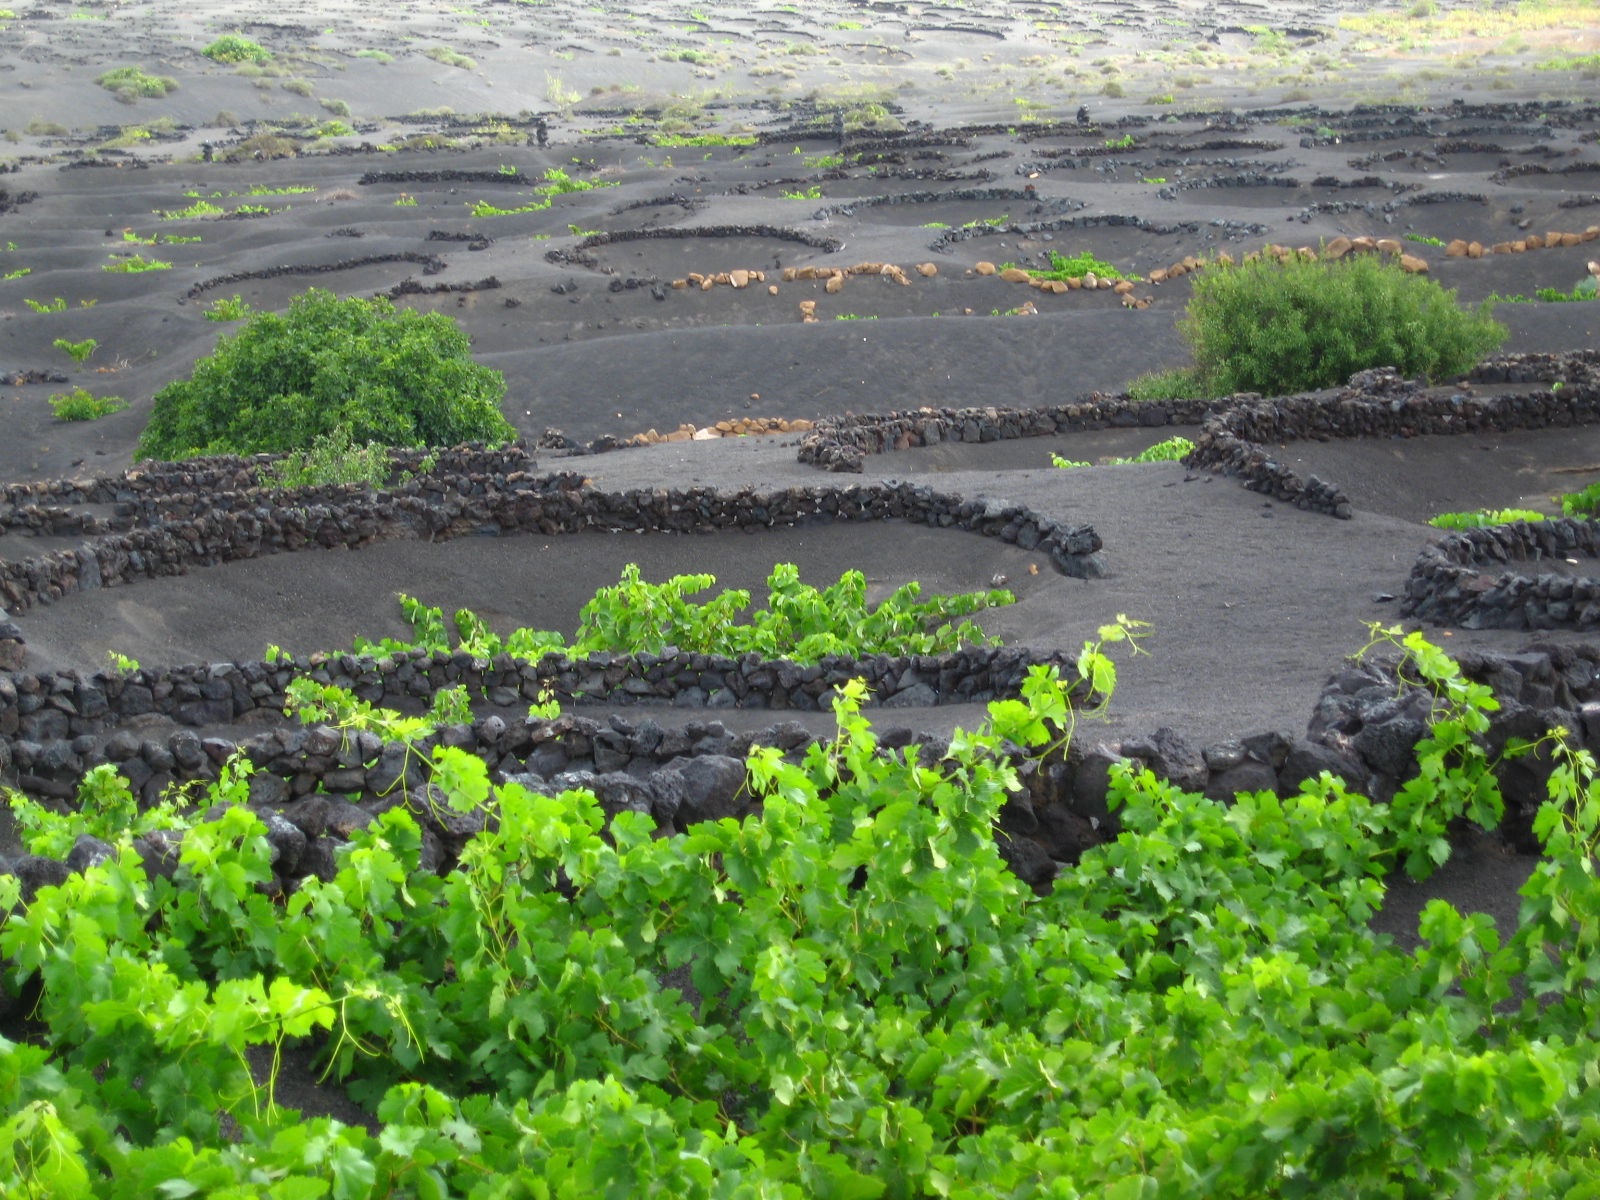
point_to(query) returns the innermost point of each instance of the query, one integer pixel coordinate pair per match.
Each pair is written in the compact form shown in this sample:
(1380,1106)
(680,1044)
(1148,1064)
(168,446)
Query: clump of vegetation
(451,58)
(80,405)
(675,140)
(78,352)
(1174,449)
(1585,503)
(135,264)
(234,48)
(131,83)
(396,377)
(1584,289)
(1074,266)
(1280,327)
(801,622)
(1482,517)
(228,308)
(331,458)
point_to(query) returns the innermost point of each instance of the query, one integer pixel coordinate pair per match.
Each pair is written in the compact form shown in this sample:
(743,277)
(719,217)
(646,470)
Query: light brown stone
(772,289)
(927,270)
(1533,242)
(1570,239)
(1390,246)
(790,274)
(1058,286)
(1123,288)
(696,278)
(1225,259)
(1336,249)
(1474,249)
(1500,248)
(707,284)
(1015,275)
(808,307)
(1552,240)
(1074,283)
(834,285)
(984,268)
(1091,280)
(1456,249)
(739,278)
(679,284)
(1159,275)
(1364,242)
(1413,265)
(1518,246)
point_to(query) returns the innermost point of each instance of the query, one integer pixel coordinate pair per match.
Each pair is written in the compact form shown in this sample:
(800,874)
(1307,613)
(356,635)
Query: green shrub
(80,405)
(1174,449)
(1275,328)
(1482,517)
(397,377)
(228,308)
(130,83)
(231,48)
(332,458)
(1177,383)
(1582,504)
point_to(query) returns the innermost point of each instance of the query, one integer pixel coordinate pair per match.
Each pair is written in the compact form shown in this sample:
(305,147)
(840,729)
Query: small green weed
(1423,239)
(810,193)
(46,306)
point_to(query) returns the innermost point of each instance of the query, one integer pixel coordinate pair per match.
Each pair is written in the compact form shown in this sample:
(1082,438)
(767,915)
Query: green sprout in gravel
(233,48)
(80,405)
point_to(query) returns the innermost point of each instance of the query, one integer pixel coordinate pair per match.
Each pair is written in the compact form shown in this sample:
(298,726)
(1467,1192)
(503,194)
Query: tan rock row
(737,278)
(1550,240)
(733,427)
(1089,282)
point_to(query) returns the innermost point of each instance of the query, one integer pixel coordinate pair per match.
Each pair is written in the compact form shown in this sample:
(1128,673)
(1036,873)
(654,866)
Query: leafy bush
(232,48)
(397,377)
(1276,328)
(80,405)
(801,622)
(228,308)
(78,352)
(130,83)
(332,458)
(1583,503)
(1075,266)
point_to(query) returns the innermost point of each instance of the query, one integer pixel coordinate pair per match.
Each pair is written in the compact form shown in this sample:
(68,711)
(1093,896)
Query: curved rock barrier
(1235,431)
(842,443)
(161,524)
(1495,577)
(315,786)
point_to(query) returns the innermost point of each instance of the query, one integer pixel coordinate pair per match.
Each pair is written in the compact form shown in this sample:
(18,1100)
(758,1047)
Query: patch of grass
(136,265)
(234,48)
(129,84)
(298,87)
(1423,239)
(80,405)
(17,274)
(451,58)
(46,306)
(811,193)
(377,56)
(1583,290)
(1176,383)
(38,128)
(338,108)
